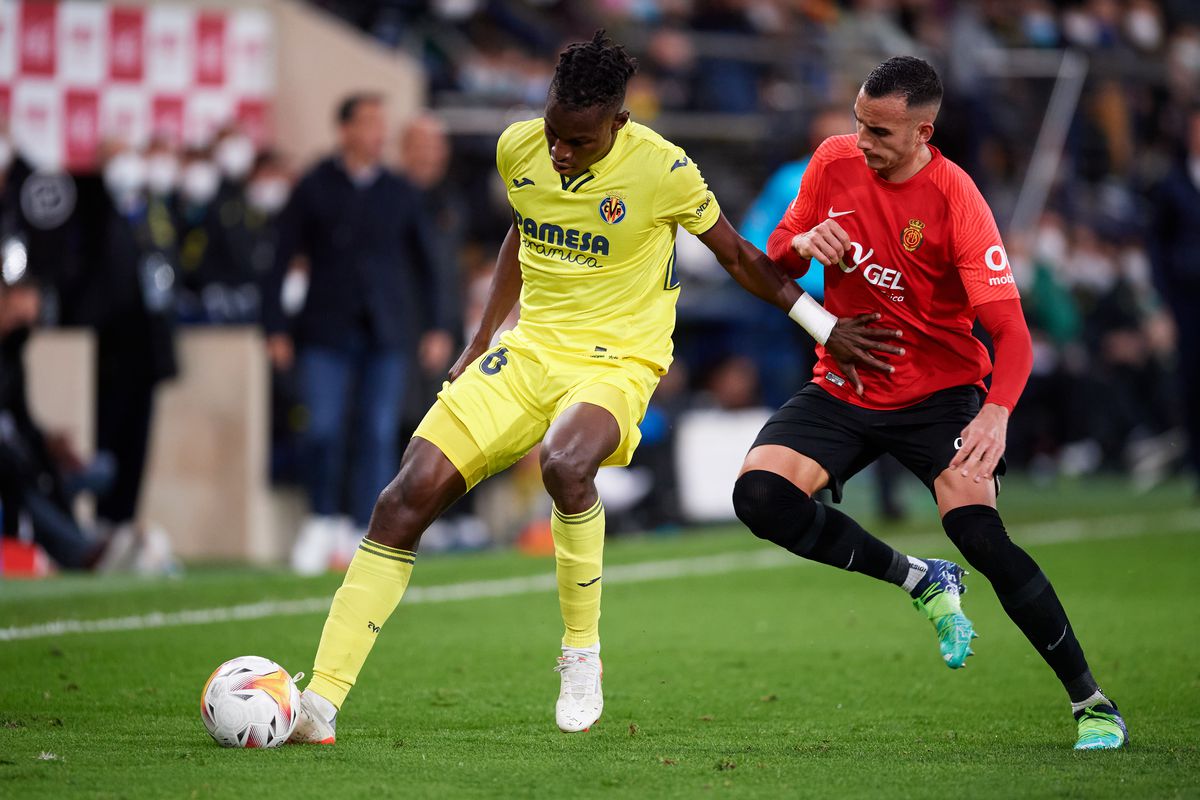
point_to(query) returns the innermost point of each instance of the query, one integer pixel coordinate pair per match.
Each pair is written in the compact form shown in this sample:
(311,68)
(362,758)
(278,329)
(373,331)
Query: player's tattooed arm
(502,296)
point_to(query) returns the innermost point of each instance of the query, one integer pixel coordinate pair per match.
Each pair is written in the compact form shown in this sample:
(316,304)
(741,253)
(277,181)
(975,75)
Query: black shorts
(844,438)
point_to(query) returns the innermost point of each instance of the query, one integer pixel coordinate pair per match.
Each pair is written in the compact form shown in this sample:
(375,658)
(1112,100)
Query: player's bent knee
(954,490)
(413,500)
(774,509)
(395,522)
(978,533)
(564,473)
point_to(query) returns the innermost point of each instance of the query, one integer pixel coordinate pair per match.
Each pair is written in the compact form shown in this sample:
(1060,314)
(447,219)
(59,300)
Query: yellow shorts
(504,403)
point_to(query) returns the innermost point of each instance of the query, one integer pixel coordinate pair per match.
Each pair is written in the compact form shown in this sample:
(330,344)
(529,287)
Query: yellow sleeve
(504,154)
(683,196)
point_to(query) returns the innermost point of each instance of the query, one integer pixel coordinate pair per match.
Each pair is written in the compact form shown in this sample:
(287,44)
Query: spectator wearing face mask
(267,189)
(218,284)
(234,153)
(127,298)
(162,170)
(162,181)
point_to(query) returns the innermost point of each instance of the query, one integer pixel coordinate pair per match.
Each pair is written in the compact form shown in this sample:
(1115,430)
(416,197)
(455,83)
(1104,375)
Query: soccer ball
(250,702)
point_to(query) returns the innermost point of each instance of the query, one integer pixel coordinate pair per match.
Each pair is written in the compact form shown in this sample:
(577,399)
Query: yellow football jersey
(597,250)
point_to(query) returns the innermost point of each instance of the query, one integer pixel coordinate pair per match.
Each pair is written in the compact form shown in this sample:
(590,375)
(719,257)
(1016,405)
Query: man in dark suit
(1174,247)
(370,299)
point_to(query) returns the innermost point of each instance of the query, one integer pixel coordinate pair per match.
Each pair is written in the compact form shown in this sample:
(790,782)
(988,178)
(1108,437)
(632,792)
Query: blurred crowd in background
(217,234)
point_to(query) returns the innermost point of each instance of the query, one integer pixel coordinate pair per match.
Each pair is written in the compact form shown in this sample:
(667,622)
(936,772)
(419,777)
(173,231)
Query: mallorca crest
(913,235)
(612,209)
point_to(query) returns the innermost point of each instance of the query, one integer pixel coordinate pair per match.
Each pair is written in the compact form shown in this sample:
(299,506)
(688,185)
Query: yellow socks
(374,584)
(378,576)
(579,551)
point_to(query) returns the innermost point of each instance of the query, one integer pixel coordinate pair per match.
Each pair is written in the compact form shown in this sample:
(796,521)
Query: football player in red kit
(905,235)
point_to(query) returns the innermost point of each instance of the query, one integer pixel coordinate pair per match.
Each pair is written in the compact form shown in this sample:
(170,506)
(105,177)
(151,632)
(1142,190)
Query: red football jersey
(924,253)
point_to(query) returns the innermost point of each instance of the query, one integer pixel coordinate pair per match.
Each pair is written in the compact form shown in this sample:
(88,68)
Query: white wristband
(812,316)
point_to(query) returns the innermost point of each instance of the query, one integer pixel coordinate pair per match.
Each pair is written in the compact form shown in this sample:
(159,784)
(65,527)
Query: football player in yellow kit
(596,201)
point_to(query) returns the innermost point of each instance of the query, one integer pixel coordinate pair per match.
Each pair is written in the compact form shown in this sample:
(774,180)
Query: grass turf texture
(796,680)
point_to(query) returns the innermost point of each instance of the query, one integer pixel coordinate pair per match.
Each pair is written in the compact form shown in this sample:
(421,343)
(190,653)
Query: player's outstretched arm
(984,438)
(749,266)
(502,296)
(849,340)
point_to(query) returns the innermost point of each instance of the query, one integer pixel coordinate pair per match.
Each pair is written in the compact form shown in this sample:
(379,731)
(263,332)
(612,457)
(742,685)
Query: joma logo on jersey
(912,237)
(612,209)
(876,275)
(559,236)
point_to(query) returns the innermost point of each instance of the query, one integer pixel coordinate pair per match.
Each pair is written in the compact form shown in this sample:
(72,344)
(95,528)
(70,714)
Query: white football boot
(580,698)
(315,546)
(318,721)
(347,539)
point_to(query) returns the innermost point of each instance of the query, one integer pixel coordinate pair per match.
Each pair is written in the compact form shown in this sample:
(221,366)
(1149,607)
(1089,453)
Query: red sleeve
(1005,323)
(978,252)
(801,216)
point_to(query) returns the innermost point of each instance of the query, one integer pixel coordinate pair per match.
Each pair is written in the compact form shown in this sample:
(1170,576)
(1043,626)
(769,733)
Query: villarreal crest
(612,209)
(913,235)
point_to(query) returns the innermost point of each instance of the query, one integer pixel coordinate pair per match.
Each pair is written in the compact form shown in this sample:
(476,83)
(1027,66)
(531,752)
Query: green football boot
(1101,727)
(938,596)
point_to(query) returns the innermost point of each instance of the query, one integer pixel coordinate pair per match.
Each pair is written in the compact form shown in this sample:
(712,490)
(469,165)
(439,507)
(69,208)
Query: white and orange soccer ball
(250,701)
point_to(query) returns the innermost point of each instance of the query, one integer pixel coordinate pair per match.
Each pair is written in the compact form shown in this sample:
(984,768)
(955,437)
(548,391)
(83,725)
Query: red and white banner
(253,116)
(82,127)
(83,35)
(75,74)
(8,41)
(210,49)
(126,44)
(206,111)
(170,48)
(37,39)
(37,122)
(249,57)
(166,118)
(125,114)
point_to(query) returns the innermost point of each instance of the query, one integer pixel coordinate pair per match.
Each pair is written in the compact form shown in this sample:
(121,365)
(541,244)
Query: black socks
(1024,592)
(774,509)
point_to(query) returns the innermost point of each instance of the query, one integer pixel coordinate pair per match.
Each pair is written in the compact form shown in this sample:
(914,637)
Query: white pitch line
(469,590)
(1182,522)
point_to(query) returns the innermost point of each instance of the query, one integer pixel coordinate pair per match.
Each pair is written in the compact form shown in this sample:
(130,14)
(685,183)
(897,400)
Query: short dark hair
(350,104)
(912,78)
(591,74)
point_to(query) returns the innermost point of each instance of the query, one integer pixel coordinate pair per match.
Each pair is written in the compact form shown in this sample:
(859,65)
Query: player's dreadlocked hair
(908,76)
(591,74)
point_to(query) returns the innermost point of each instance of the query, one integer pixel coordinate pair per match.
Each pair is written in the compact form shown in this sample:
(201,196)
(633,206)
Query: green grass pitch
(765,677)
